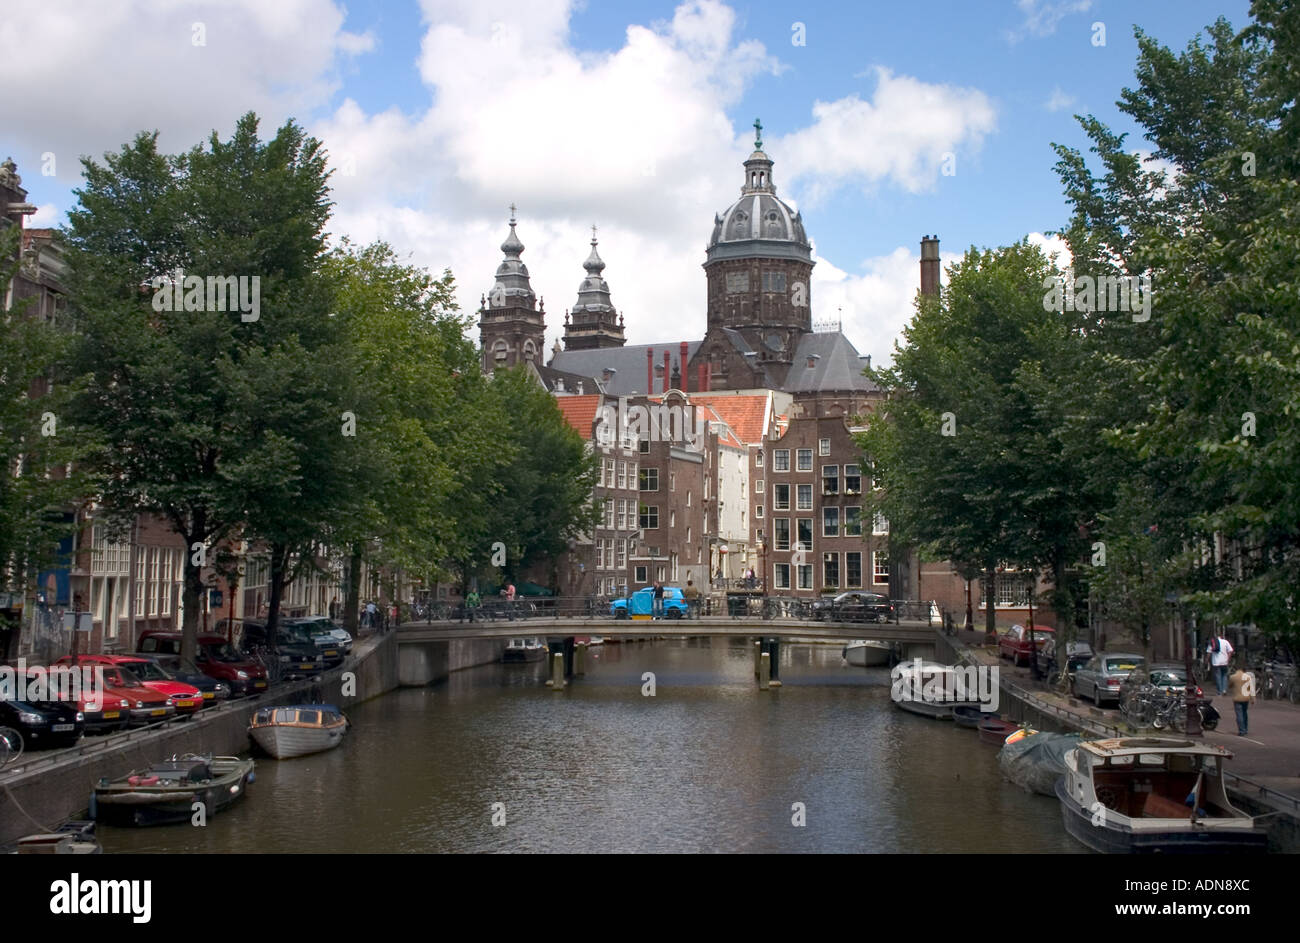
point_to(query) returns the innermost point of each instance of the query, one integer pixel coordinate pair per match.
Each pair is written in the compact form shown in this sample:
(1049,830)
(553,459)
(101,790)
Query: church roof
(627,362)
(561,381)
(836,366)
(760,224)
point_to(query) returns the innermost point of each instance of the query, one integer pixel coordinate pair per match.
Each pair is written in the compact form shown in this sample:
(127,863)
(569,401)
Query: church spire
(512,287)
(593,320)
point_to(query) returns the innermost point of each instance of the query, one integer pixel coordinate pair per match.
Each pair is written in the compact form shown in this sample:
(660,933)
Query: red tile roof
(580,411)
(744,414)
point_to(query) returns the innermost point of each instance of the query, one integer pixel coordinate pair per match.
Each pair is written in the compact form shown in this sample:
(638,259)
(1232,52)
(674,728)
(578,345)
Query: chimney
(649,371)
(559,384)
(579,387)
(930,265)
(608,374)
(685,376)
(667,359)
(703,371)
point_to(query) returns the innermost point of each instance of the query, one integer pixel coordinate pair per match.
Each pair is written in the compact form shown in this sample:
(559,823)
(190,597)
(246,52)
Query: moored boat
(866,653)
(165,792)
(71,838)
(995,730)
(966,716)
(933,690)
(298,729)
(524,649)
(1143,796)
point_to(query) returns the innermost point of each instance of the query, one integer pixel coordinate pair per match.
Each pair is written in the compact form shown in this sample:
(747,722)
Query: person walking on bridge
(658,609)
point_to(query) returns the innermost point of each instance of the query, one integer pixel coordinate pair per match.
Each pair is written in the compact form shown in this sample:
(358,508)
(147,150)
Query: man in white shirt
(1219,651)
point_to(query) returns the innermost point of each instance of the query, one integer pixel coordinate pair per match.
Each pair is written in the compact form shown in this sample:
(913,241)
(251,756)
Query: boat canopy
(1129,746)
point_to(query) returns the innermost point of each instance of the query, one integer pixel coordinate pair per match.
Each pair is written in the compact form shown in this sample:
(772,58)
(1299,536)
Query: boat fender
(142,780)
(252,777)
(94,805)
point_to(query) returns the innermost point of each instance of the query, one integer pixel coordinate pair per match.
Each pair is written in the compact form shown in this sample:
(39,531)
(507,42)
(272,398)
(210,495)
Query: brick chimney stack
(649,371)
(686,382)
(667,369)
(930,265)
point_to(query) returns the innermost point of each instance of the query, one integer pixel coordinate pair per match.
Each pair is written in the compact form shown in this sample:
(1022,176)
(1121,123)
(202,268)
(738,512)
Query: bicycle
(11,745)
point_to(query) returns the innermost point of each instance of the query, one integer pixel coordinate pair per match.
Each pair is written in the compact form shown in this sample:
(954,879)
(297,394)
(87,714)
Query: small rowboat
(967,716)
(298,729)
(995,730)
(165,793)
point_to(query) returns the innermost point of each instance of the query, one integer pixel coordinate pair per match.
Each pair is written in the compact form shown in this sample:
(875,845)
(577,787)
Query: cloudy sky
(886,121)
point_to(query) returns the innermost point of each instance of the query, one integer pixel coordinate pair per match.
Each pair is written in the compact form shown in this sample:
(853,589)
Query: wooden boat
(866,653)
(930,689)
(995,730)
(1142,796)
(524,649)
(165,792)
(968,716)
(71,838)
(297,730)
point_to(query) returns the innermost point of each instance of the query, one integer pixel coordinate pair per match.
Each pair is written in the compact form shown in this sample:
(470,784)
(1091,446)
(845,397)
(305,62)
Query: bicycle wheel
(1178,717)
(11,745)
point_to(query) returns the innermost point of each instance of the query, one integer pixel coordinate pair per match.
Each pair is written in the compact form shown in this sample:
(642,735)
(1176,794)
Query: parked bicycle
(11,745)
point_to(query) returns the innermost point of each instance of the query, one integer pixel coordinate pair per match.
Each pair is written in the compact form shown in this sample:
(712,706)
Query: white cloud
(47,215)
(1041,17)
(1052,246)
(1059,100)
(903,134)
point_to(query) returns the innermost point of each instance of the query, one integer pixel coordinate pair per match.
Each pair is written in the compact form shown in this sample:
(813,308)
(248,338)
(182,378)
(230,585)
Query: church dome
(759,224)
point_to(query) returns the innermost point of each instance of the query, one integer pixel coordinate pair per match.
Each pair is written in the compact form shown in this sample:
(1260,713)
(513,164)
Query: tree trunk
(990,609)
(352,596)
(279,566)
(193,593)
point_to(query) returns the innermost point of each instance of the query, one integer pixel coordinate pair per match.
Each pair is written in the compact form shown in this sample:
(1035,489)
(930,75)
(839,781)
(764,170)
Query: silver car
(1101,677)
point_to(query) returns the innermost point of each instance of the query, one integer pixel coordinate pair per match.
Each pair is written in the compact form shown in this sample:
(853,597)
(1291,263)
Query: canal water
(709,763)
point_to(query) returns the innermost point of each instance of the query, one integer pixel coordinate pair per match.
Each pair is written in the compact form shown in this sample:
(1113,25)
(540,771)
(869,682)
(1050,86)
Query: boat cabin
(299,715)
(1153,778)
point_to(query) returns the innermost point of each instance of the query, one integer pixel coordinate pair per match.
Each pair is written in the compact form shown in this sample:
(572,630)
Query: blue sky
(634,116)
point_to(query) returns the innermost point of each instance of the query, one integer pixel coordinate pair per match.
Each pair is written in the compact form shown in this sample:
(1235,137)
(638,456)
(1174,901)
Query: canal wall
(1022,706)
(426,661)
(43,789)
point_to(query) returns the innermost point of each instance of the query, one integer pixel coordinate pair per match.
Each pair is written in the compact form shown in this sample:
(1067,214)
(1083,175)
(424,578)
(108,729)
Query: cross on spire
(593,234)
(512,214)
(758,135)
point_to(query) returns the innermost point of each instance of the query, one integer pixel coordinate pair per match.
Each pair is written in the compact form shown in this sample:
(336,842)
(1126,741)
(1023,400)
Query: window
(773,281)
(823,446)
(688,535)
(643,446)
(805,576)
(758,510)
(639,574)
(879,526)
(880,567)
(1013,590)
(831,523)
(167,582)
(649,517)
(805,532)
(672,518)
(853,522)
(737,282)
(608,478)
(781,576)
(830,569)
(780,497)
(600,553)
(759,487)
(622,474)
(830,479)
(609,514)
(622,514)
(758,459)
(781,533)
(781,460)
(688,499)
(805,498)
(649,480)
(852,479)
(805,459)
(153,580)
(672,481)
(622,552)
(853,569)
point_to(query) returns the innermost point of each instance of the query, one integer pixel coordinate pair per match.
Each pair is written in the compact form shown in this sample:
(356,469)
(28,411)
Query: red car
(1014,642)
(106,713)
(185,697)
(215,658)
(145,706)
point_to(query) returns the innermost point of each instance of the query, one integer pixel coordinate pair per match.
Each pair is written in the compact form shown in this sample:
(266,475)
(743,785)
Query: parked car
(145,706)
(101,711)
(186,698)
(1171,678)
(326,626)
(1014,643)
(213,691)
(297,652)
(853,606)
(322,636)
(1103,675)
(215,657)
(43,724)
(641,604)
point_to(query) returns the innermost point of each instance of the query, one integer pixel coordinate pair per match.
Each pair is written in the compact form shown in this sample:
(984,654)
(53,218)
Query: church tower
(759,271)
(593,323)
(511,322)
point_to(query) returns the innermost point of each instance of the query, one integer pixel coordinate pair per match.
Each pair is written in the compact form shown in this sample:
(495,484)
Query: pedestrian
(472,603)
(658,609)
(1219,651)
(334,609)
(372,614)
(1242,689)
(692,596)
(509,593)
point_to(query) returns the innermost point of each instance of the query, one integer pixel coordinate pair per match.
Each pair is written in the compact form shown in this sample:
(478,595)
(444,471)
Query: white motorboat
(1143,795)
(933,690)
(524,649)
(297,730)
(866,653)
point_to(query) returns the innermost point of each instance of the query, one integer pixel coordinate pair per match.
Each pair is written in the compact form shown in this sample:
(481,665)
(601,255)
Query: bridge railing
(739,604)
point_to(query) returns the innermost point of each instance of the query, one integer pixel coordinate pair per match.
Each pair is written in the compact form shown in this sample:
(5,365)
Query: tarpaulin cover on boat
(1037,762)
